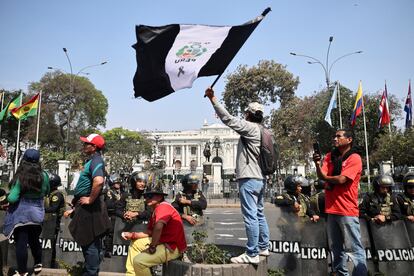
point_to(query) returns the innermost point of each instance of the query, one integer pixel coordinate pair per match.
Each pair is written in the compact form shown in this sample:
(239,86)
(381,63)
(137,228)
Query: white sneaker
(245,259)
(265,253)
(37,268)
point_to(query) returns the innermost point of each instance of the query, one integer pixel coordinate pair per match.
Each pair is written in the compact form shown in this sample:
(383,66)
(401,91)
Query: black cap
(31,155)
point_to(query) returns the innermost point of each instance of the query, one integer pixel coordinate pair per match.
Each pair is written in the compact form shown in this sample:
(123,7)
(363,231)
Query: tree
(304,119)
(266,83)
(68,101)
(124,147)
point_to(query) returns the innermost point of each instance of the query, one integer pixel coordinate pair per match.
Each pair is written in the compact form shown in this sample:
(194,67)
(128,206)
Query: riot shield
(410,230)
(285,236)
(120,246)
(314,248)
(393,246)
(366,243)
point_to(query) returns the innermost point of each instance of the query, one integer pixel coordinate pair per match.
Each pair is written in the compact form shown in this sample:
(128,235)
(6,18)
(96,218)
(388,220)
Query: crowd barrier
(298,246)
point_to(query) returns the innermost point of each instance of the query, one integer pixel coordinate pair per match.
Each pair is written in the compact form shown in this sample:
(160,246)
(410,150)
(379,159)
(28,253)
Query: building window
(177,150)
(193,150)
(162,151)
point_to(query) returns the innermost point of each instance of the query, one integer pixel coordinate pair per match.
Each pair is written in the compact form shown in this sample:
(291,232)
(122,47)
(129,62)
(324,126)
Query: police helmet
(137,176)
(383,181)
(408,179)
(292,181)
(54,180)
(115,178)
(319,184)
(190,179)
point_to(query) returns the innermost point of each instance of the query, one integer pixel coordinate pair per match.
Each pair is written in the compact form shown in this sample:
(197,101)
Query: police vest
(53,197)
(187,209)
(385,206)
(134,204)
(302,201)
(410,205)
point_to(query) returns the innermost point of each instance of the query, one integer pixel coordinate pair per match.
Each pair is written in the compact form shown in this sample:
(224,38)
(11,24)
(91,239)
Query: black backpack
(269,151)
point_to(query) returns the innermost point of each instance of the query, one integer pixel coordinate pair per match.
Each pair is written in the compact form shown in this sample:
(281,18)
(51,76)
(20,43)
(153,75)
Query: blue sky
(33,34)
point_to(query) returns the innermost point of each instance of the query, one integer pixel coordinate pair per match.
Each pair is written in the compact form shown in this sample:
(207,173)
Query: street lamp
(216,145)
(326,67)
(71,88)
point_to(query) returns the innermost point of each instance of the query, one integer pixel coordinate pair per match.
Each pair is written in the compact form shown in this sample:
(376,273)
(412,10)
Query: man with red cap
(90,221)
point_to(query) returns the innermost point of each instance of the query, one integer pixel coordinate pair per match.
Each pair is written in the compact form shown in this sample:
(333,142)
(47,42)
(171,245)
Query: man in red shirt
(163,240)
(341,170)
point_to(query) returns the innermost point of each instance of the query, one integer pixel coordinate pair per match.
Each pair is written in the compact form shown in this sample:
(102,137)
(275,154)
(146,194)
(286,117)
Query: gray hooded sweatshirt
(251,132)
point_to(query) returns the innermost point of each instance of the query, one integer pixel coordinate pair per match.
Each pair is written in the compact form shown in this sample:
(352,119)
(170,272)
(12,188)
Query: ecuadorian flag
(359,103)
(26,110)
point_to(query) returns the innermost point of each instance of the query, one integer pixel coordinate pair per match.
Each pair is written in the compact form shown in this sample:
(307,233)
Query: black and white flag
(171,57)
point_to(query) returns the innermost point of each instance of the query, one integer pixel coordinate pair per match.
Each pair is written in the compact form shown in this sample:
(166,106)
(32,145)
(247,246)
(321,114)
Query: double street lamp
(327,67)
(71,89)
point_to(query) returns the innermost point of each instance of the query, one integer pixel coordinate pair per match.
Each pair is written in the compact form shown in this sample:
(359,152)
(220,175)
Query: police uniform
(288,200)
(55,204)
(198,204)
(111,196)
(406,205)
(133,202)
(374,204)
(317,203)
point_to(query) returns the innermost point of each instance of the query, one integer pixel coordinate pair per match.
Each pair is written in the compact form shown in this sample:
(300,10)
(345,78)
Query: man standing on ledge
(90,221)
(249,176)
(341,170)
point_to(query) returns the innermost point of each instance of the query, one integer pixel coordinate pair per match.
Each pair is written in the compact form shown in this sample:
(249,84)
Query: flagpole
(38,119)
(389,126)
(16,159)
(366,141)
(2,101)
(264,13)
(339,104)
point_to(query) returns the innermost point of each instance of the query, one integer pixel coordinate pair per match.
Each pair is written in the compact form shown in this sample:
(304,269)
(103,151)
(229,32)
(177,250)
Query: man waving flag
(171,57)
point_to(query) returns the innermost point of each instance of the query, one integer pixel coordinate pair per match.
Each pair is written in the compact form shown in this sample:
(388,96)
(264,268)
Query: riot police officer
(55,204)
(380,205)
(111,196)
(190,202)
(132,207)
(406,200)
(55,201)
(317,200)
(294,199)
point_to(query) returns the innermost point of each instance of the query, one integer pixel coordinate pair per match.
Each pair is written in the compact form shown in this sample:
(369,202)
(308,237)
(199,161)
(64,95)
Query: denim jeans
(252,207)
(345,237)
(93,257)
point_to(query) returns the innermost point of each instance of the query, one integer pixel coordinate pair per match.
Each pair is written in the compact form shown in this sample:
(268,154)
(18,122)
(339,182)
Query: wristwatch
(152,249)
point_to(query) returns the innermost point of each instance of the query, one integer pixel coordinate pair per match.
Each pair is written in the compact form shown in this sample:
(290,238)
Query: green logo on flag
(191,51)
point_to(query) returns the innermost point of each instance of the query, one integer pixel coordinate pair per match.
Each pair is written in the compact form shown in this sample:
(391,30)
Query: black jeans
(23,236)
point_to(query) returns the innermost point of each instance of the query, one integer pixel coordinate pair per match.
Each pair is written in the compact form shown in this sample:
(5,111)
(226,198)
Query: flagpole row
(16,159)
(366,141)
(2,102)
(339,104)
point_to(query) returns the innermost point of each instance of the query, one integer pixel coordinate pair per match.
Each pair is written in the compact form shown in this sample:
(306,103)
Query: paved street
(228,225)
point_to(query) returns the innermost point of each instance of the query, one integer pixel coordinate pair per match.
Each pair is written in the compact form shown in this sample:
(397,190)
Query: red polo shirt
(343,198)
(173,230)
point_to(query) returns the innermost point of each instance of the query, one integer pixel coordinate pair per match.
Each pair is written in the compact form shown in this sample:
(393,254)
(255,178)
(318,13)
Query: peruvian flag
(384,113)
